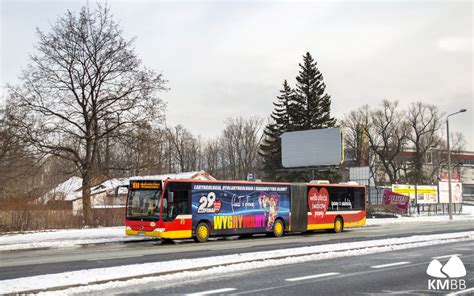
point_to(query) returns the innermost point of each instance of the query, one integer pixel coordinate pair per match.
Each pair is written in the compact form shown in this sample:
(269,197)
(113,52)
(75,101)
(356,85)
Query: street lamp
(450,207)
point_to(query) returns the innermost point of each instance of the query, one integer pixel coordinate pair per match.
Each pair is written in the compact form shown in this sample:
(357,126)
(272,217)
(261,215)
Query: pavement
(23,263)
(400,272)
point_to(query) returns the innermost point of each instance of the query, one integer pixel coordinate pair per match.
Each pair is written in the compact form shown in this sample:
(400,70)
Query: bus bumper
(173,234)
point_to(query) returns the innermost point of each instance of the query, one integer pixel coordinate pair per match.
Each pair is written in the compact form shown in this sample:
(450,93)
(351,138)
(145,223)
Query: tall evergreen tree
(313,103)
(306,107)
(283,112)
(282,121)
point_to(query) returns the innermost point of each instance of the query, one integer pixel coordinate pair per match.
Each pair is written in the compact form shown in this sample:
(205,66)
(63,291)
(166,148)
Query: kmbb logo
(450,273)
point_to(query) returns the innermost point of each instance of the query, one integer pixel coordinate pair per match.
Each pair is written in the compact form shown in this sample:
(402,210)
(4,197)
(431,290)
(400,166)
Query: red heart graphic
(318,202)
(217,206)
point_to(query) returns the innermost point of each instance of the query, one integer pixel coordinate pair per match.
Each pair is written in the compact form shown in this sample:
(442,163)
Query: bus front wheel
(202,232)
(338,225)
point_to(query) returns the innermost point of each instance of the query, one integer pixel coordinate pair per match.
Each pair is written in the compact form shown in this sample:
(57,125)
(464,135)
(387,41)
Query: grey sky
(225,59)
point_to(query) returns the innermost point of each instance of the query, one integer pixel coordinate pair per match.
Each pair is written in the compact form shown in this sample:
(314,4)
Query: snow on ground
(178,270)
(64,238)
(401,220)
(468,209)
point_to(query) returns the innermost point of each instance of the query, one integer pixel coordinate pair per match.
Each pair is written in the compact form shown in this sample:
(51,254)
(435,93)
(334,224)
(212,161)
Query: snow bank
(242,261)
(401,220)
(64,238)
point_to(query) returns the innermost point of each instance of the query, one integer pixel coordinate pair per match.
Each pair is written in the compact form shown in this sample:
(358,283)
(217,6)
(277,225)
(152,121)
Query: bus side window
(359,202)
(350,197)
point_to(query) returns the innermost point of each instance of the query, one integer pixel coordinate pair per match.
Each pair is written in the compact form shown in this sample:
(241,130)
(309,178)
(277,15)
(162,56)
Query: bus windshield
(144,203)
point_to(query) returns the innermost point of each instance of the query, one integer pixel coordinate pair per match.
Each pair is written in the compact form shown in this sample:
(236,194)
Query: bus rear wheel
(278,228)
(338,225)
(202,232)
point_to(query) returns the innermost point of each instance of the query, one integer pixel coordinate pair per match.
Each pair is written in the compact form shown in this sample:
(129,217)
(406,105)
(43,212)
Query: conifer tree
(306,107)
(283,112)
(313,104)
(282,121)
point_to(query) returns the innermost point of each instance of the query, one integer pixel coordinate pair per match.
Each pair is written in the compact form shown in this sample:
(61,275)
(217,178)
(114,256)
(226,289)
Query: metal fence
(375,197)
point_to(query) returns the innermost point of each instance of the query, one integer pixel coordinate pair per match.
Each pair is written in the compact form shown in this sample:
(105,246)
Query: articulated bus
(179,209)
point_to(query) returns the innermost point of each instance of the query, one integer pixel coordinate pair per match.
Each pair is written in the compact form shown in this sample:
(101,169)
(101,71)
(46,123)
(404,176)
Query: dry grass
(22,215)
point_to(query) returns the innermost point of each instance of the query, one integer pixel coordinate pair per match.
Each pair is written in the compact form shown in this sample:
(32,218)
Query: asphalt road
(399,272)
(16,264)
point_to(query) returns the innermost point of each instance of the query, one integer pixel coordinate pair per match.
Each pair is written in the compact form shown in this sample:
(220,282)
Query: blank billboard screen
(311,148)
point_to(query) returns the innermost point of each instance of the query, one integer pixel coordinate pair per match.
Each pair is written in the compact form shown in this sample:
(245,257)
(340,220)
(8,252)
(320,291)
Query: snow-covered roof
(67,190)
(110,185)
(199,175)
(70,189)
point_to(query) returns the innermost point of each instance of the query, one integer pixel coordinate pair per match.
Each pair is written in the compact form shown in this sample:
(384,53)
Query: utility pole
(450,207)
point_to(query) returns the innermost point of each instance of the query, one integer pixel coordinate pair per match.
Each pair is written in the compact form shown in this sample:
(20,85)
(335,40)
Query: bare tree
(387,132)
(185,148)
(18,166)
(84,83)
(424,122)
(239,143)
(140,150)
(212,158)
(355,137)
(439,157)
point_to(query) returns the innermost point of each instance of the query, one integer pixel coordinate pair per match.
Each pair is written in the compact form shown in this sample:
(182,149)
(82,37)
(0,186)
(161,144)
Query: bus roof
(259,183)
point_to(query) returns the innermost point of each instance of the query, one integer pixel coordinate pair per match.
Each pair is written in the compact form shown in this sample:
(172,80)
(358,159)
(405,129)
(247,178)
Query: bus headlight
(128,228)
(159,230)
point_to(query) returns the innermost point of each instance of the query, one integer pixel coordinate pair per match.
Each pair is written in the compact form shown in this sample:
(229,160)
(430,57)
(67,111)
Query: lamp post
(450,206)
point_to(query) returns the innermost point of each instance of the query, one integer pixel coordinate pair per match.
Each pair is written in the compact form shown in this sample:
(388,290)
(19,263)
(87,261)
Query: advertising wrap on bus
(199,209)
(235,208)
(326,202)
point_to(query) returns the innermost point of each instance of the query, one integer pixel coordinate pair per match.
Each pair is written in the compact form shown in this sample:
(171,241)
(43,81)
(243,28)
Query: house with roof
(68,195)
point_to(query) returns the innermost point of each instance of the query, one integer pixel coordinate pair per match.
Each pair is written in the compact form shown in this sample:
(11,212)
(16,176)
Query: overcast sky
(227,59)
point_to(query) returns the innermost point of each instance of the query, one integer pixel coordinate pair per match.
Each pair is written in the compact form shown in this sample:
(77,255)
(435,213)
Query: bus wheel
(278,228)
(338,225)
(202,232)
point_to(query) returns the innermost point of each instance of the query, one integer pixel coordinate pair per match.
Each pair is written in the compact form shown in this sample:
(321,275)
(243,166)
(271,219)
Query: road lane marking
(342,276)
(212,292)
(446,256)
(311,276)
(390,264)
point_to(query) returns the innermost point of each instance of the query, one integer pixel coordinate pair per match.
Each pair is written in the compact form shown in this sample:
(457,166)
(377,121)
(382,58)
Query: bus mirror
(170,197)
(117,189)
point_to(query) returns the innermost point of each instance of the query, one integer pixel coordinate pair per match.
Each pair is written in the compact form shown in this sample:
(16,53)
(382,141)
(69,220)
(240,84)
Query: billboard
(456,192)
(426,194)
(235,209)
(311,148)
(400,201)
